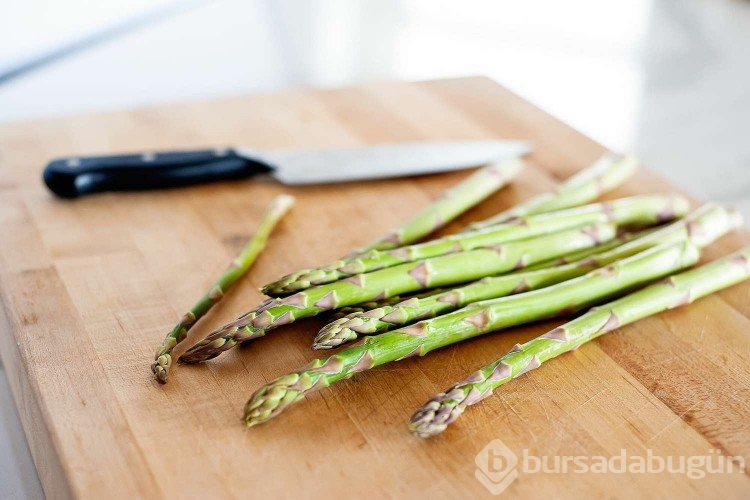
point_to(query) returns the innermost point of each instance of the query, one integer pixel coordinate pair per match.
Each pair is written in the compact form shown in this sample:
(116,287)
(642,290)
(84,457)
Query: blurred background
(667,79)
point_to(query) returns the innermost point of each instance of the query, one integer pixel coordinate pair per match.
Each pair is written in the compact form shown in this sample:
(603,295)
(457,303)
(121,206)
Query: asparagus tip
(333,335)
(273,398)
(210,347)
(434,417)
(160,367)
(163,359)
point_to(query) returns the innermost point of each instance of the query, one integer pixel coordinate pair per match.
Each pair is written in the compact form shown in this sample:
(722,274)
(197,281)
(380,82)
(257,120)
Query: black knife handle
(73,177)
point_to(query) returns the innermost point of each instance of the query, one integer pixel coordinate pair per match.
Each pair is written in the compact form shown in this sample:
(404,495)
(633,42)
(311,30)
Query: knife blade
(73,177)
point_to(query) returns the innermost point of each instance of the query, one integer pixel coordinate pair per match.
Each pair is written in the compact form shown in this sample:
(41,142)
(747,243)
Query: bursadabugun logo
(496,466)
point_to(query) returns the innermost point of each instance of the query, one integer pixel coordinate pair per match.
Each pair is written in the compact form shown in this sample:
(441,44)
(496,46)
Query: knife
(73,177)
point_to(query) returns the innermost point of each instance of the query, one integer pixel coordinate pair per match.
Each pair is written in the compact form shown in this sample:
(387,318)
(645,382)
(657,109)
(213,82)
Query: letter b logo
(496,467)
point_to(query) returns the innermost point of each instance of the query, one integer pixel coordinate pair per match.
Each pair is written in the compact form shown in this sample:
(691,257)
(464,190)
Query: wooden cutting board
(90,287)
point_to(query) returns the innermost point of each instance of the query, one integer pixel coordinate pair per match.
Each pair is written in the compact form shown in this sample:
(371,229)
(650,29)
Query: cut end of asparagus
(281,204)
(735,218)
(679,207)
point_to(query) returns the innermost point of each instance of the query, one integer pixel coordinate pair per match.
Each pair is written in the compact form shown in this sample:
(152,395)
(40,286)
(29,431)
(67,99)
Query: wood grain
(89,288)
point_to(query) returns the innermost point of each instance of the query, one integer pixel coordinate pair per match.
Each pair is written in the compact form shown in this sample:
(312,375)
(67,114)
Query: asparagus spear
(355,310)
(449,205)
(622,238)
(239,266)
(701,228)
(364,306)
(636,210)
(410,277)
(471,321)
(374,304)
(386,318)
(604,175)
(675,291)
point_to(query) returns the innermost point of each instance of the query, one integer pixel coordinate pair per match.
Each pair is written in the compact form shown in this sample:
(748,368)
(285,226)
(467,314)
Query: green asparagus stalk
(604,175)
(410,277)
(622,238)
(701,228)
(566,259)
(239,266)
(471,321)
(449,205)
(386,318)
(636,210)
(443,409)
(374,304)
(364,306)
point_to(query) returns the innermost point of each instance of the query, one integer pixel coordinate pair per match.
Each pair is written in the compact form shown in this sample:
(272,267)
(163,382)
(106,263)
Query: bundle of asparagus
(488,252)
(548,257)
(409,277)
(603,175)
(473,320)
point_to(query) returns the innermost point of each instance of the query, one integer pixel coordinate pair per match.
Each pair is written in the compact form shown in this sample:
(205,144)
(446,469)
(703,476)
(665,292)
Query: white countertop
(18,477)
